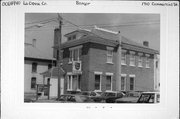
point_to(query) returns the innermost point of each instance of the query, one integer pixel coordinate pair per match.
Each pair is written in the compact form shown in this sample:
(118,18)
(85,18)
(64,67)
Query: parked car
(73,98)
(90,94)
(29,97)
(145,97)
(149,97)
(129,97)
(109,97)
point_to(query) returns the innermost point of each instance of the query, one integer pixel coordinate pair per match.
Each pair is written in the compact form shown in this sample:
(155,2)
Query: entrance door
(62,86)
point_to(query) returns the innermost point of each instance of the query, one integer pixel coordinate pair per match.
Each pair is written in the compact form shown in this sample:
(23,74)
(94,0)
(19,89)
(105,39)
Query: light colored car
(145,97)
(149,97)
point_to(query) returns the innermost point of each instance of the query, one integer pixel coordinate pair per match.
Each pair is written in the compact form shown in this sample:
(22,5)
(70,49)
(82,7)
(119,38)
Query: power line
(92,25)
(49,20)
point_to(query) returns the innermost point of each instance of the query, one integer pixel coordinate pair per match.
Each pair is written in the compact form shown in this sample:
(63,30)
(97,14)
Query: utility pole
(59,54)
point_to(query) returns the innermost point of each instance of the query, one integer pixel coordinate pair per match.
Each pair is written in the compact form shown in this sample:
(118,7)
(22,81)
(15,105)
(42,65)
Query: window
(108,82)
(75,54)
(69,38)
(49,66)
(34,67)
(147,63)
(79,82)
(109,56)
(131,83)
(57,56)
(74,37)
(132,60)
(74,82)
(97,82)
(69,82)
(33,82)
(140,61)
(123,83)
(123,58)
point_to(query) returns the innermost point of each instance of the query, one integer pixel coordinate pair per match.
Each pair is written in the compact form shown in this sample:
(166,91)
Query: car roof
(150,92)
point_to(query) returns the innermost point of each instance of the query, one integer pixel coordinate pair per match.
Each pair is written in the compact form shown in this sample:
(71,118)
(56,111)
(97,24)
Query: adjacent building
(102,60)
(35,62)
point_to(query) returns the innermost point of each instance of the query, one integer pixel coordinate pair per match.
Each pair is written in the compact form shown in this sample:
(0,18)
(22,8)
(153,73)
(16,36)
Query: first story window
(131,83)
(74,82)
(108,82)
(33,82)
(123,83)
(97,82)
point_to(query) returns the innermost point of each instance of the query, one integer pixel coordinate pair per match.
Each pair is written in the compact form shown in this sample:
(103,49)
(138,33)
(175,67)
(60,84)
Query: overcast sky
(137,27)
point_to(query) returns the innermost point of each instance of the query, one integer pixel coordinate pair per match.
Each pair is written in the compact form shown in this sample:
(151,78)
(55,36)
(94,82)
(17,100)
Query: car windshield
(158,98)
(85,93)
(145,98)
(109,94)
(62,98)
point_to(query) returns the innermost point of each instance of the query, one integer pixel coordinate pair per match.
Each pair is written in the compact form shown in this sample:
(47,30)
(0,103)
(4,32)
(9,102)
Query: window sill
(34,72)
(132,65)
(148,67)
(109,62)
(97,91)
(140,66)
(78,90)
(123,64)
(70,62)
(109,91)
(69,90)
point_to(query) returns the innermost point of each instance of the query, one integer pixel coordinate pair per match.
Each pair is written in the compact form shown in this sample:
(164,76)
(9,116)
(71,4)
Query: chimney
(34,42)
(146,43)
(56,41)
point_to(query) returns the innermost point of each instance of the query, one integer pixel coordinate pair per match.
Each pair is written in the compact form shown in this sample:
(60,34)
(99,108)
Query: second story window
(49,66)
(109,55)
(147,62)
(74,37)
(69,38)
(132,58)
(140,61)
(75,53)
(123,58)
(34,67)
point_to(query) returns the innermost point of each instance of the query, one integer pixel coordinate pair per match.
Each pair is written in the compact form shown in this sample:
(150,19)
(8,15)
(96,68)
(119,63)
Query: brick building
(103,60)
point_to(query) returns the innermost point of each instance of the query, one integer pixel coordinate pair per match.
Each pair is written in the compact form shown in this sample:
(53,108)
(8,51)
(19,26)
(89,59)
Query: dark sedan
(69,98)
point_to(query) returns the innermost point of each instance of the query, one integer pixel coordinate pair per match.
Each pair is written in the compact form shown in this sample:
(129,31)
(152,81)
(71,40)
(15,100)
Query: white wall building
(35,62)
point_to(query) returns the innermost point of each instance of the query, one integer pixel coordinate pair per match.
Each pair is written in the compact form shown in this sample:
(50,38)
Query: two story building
(35,62)
(102,60)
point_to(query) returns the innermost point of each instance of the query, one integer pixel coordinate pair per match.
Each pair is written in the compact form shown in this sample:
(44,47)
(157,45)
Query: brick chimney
(146,43)
(34,42)
(56,41)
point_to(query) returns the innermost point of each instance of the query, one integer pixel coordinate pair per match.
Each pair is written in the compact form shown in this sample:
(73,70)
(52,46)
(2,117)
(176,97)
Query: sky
(137,27)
